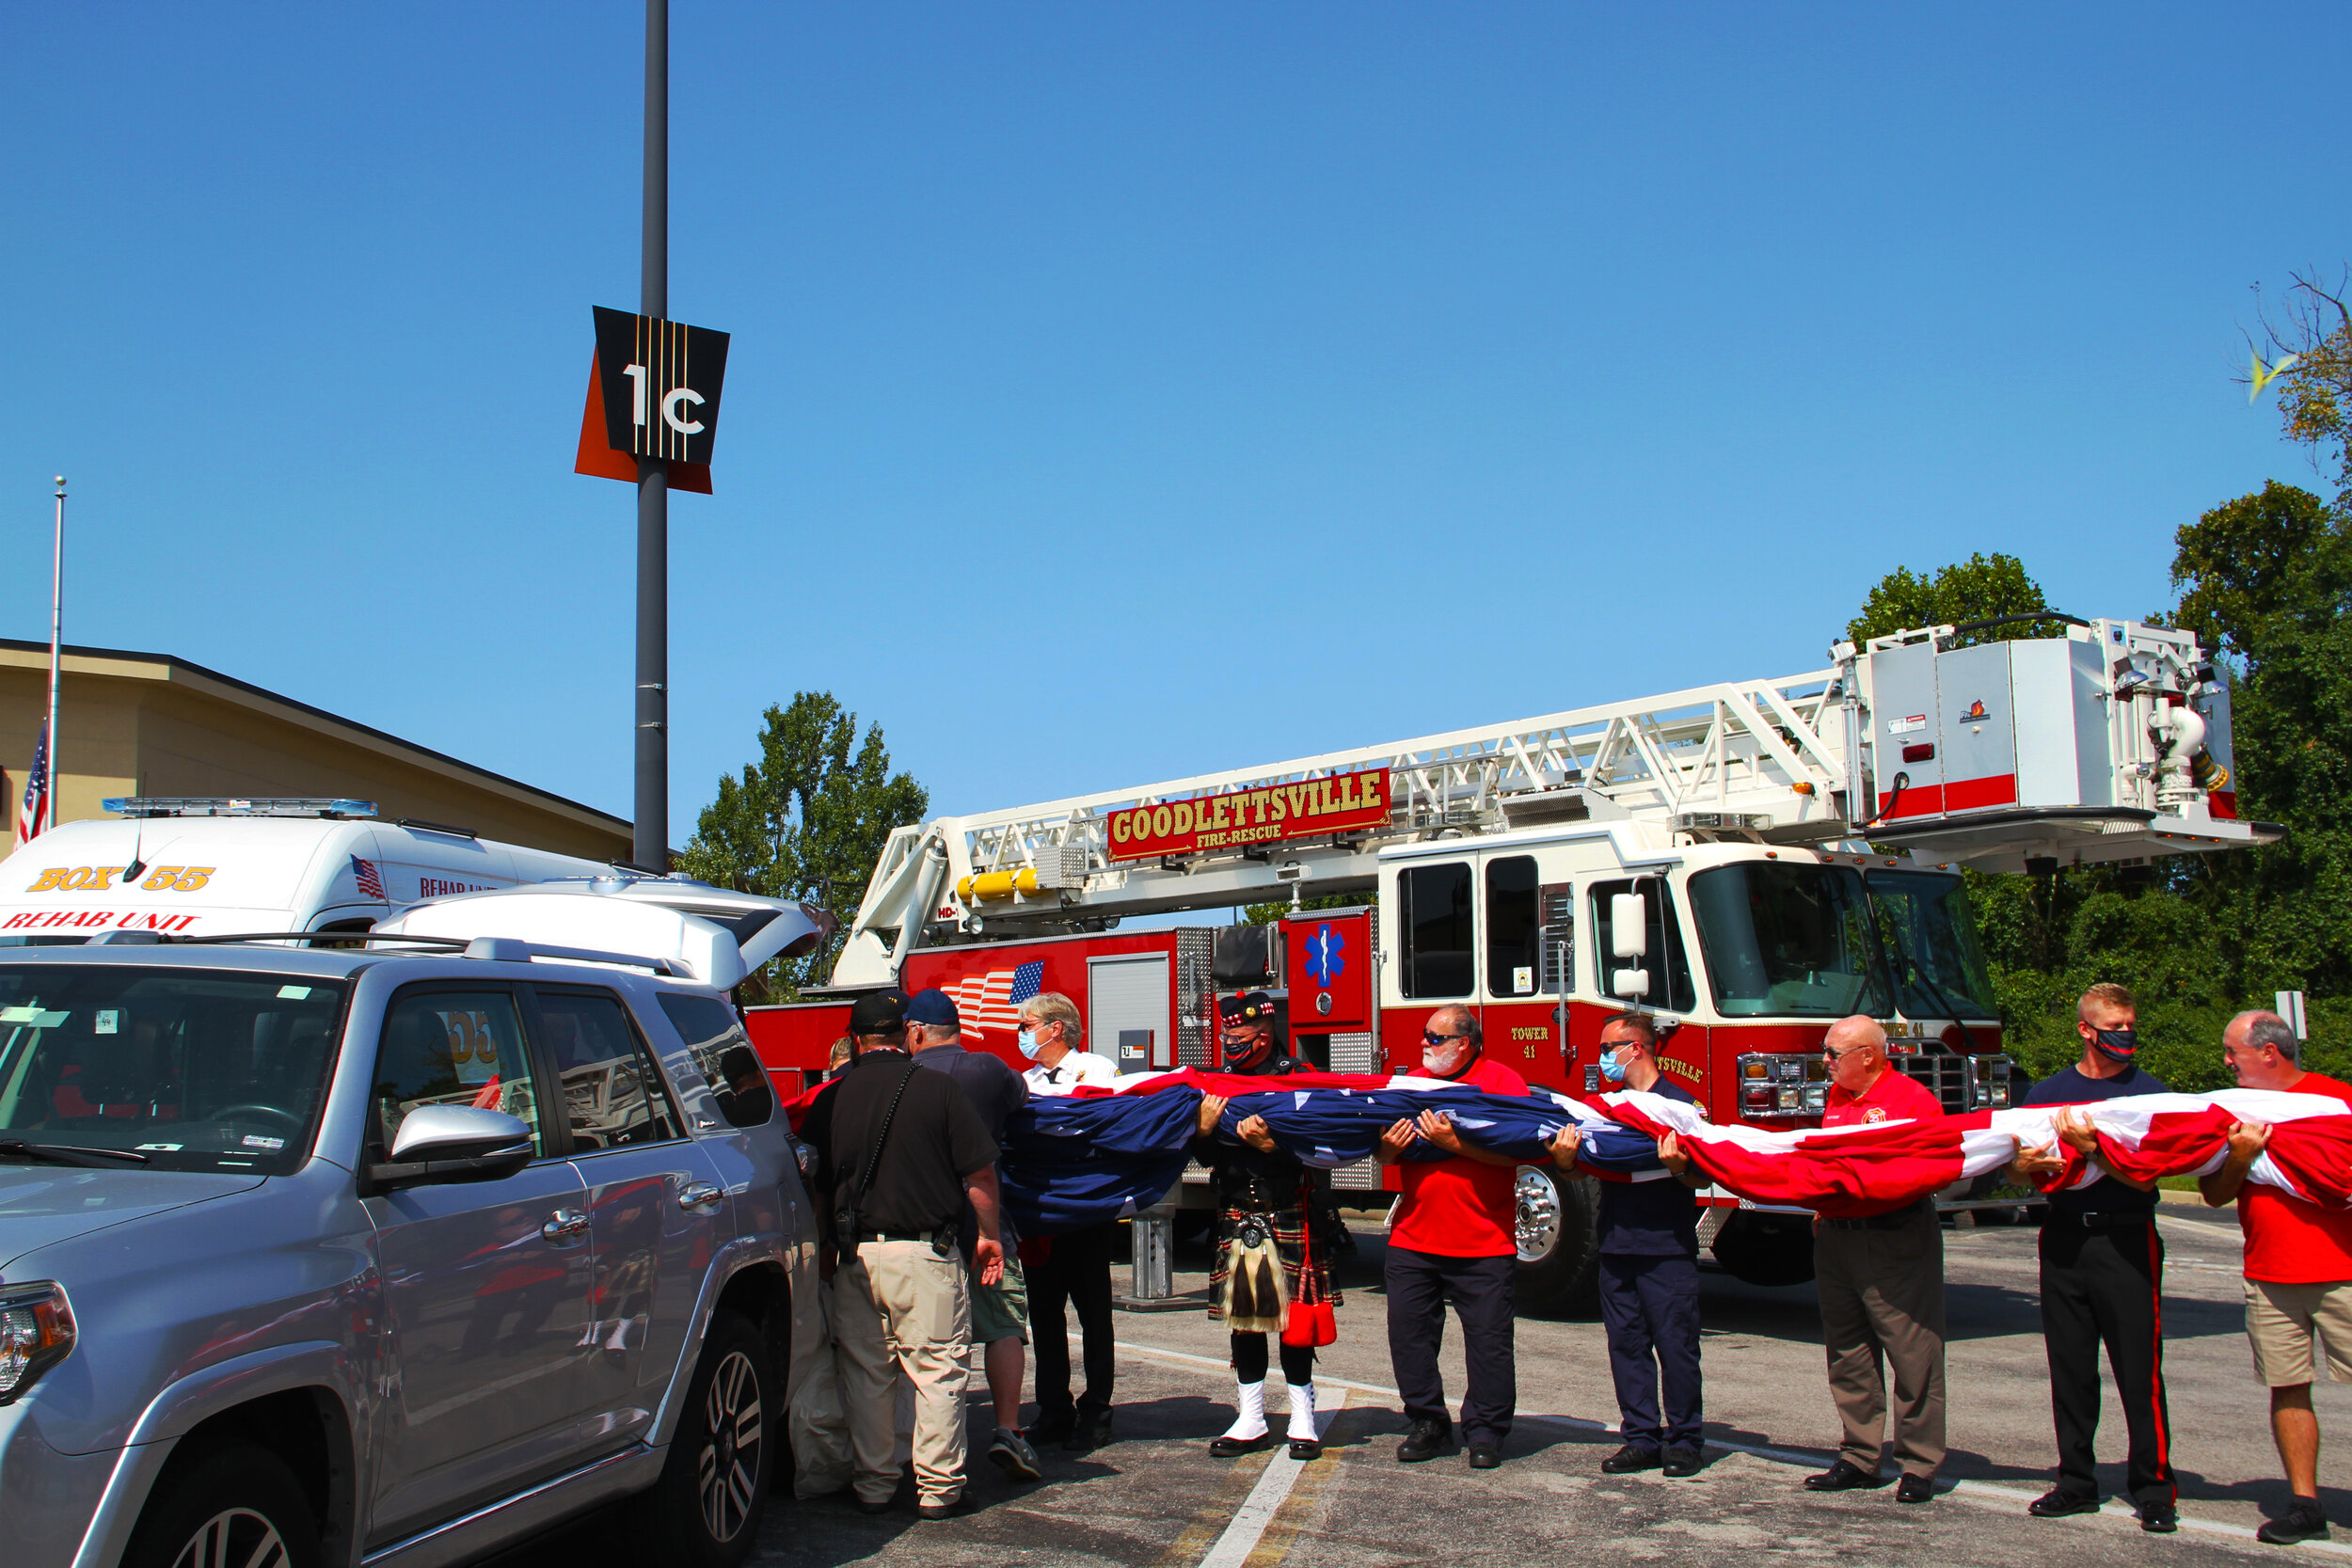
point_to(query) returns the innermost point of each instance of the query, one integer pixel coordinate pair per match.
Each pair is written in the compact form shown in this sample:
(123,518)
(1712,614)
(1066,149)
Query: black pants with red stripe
(2106,1287)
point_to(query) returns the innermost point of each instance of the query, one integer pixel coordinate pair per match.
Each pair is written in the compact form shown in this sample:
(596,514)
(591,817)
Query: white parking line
(1265,1499)
(1972,1490)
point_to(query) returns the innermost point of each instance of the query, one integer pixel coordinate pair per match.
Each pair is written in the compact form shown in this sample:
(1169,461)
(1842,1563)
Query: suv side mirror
(439,1144)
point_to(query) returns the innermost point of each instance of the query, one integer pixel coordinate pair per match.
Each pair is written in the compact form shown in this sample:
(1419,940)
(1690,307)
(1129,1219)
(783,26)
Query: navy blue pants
(1419,1284)
(1650,1307)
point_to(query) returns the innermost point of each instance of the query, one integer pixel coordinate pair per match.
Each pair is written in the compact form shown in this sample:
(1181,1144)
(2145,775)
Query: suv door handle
(699,1195)
(564,1227)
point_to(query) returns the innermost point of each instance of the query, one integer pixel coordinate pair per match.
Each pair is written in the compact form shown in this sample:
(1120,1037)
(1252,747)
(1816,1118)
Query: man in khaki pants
(902,1150)
(1880,1283)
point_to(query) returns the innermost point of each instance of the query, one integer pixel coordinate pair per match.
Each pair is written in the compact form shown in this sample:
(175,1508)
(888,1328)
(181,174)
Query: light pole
(650,840)
(56,623)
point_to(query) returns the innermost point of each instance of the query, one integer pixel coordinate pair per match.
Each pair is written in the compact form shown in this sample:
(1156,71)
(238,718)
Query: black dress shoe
(1050,1429)
(1427,1440)
(1484,1456)
(1233,1447)
(1844,1476)
(1683,1460)
(1916,1489)
(1091,1430)
(2057,1503)
(1628,1458)
(2159,1521)
(1304,1449)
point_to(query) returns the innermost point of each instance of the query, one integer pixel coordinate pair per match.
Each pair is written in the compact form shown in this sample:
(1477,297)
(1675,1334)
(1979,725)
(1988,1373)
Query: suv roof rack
(492,949)
(230,805)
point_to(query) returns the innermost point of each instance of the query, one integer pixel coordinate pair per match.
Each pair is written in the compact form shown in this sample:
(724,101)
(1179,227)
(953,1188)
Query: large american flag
(36,804)
(993,1001)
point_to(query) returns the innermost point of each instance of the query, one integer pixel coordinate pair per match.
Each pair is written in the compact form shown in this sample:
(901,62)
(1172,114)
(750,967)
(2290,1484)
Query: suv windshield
(194,1069)
(1787,940)
(1931,943)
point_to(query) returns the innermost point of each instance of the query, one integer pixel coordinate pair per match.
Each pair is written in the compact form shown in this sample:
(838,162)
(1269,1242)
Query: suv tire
(241,1491)
(705,1511)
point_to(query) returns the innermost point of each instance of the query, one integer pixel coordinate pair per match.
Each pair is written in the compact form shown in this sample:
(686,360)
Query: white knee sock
(1303,1414)
(1251,1421)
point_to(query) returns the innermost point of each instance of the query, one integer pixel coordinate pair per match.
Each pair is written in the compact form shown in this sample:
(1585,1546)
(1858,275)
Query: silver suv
(384,1257)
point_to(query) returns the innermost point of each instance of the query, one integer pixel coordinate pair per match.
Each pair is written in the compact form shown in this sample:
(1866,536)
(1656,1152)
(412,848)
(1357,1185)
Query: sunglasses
(1841,1056)
(1428,1038)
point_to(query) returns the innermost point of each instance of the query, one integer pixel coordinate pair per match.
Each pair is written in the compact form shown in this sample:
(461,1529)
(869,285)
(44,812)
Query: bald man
(1881,1282)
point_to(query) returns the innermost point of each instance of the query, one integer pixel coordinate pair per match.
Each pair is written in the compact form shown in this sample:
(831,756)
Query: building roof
(125,664)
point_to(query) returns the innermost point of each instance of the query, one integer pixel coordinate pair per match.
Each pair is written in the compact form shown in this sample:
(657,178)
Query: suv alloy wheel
(238,1506)
(705,1511)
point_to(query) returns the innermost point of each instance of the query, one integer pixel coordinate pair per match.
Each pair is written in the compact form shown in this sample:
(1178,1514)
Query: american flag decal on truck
(993,1001)
(370,881)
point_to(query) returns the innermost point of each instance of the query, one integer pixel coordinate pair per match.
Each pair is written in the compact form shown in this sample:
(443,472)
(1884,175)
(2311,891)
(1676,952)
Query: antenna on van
(130,872)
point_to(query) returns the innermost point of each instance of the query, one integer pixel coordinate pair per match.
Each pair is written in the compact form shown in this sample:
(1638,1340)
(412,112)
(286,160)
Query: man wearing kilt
(1273,1239)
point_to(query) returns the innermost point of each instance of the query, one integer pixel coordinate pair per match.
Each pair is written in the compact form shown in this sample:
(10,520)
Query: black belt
(2103,1222)
(864,1236)
(1901,1219)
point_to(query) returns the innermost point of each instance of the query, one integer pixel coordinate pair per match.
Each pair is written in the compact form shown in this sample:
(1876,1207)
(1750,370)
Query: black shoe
(2159,1520)
(1233,1447)
(1427,1440)
(1303,1449)
(1484,1456)
(1683,1460)
(2057,1503)
(1050,1429)
(2305,1521)
(870,1508)
(955,1510)
(1916,1489)
(1090,1430)
(1844,1476)
(1628,1458)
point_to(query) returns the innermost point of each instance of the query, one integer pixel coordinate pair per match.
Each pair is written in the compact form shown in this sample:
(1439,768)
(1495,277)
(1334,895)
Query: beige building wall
(138,723)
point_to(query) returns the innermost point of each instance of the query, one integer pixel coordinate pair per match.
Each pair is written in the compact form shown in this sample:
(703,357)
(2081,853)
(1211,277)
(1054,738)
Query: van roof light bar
(226,806)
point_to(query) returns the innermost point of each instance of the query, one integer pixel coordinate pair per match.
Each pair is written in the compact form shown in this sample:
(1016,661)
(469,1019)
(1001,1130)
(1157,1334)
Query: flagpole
(56,622)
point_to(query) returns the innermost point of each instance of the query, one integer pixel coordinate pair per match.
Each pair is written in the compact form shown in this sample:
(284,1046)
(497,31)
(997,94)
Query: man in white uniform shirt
(1075,1266)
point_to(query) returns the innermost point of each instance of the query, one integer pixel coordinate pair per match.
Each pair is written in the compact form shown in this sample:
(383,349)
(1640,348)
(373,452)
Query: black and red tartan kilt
(1287,1230)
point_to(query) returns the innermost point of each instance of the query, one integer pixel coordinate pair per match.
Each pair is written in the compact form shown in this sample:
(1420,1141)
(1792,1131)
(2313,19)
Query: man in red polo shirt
(1454,1235)
(2298,1267)
(1880,1283)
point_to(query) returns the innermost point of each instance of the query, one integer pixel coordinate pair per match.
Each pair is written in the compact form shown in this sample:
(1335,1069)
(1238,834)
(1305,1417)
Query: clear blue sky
(1118,391)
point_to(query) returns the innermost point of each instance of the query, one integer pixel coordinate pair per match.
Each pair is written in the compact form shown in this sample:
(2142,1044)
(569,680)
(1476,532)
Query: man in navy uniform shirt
(1649,1273)
(2102,1279)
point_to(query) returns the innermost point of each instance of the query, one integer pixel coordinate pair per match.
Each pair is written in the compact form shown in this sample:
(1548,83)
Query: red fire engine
(1750,861)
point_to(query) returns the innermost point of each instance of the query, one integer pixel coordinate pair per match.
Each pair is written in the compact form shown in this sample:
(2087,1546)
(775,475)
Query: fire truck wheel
(1756,1248)
(1559,1242)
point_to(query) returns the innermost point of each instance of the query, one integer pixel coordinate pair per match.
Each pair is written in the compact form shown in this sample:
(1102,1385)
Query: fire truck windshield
(1788,941)
(1930,936)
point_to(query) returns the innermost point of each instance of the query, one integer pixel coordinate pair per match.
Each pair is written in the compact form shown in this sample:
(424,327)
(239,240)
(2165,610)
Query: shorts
(1001,1312)
(2280,1320)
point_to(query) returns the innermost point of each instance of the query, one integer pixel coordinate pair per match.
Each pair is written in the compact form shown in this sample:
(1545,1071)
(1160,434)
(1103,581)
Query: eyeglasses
(1428,1038)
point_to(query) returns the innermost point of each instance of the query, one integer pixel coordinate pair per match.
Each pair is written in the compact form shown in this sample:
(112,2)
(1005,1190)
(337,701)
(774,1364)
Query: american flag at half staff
(34,809)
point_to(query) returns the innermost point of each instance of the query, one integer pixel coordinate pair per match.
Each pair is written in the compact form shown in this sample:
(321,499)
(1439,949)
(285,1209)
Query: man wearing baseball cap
(2102,1279)
(1000,1313)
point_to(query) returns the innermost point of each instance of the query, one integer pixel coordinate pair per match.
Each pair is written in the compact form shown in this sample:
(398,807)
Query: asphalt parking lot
(1154,1497)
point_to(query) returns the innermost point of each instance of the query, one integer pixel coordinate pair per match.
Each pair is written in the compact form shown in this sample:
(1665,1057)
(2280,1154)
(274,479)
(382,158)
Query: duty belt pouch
(1256,1294)
(846,1225)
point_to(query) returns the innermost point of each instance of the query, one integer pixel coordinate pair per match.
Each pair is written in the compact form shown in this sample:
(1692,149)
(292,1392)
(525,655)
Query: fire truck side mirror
(1628,928)
(1628,983)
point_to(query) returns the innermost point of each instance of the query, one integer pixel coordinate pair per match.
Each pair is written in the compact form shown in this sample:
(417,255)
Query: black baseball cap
(934,1007)
(883,1012)
(1249,1007)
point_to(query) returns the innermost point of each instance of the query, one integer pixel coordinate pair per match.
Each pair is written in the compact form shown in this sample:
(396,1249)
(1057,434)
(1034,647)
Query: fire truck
(1748,862)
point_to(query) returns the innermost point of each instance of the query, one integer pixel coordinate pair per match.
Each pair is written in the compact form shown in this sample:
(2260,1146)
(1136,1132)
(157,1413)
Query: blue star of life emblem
(1323,962)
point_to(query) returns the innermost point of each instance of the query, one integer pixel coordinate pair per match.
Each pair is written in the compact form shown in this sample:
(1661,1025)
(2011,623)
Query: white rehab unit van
(216,867)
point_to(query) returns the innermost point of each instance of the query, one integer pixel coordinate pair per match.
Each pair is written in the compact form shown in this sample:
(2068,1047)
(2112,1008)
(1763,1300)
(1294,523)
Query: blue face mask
(1030,1046)
(1612,1069)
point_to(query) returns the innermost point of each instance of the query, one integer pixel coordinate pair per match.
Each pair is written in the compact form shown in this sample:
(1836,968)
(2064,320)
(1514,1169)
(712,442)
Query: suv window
(611,1093)
(716,1040)
(452,1048)
(1514,967)
(1669,968)
(1434,923)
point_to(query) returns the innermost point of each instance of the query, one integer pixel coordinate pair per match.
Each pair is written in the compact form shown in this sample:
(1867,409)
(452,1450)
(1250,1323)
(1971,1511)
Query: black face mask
(2116,1045)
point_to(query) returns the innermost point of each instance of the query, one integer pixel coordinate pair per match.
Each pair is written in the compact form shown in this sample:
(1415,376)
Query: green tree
(1265,914)
(2310,363)
(1977,589)
(807,821)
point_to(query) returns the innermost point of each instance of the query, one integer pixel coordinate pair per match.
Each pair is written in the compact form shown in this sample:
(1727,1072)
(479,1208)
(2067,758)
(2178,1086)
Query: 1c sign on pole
(660,381)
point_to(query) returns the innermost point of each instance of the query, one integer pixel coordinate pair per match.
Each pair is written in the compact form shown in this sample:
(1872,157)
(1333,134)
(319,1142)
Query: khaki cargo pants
(899,1306)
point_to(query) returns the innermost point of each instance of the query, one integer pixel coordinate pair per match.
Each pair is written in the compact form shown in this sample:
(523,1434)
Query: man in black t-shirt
(2102,1279)
(900,1300)
(1649,1273)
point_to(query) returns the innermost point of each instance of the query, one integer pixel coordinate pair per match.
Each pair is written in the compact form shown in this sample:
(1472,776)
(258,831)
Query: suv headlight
(35,1333)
